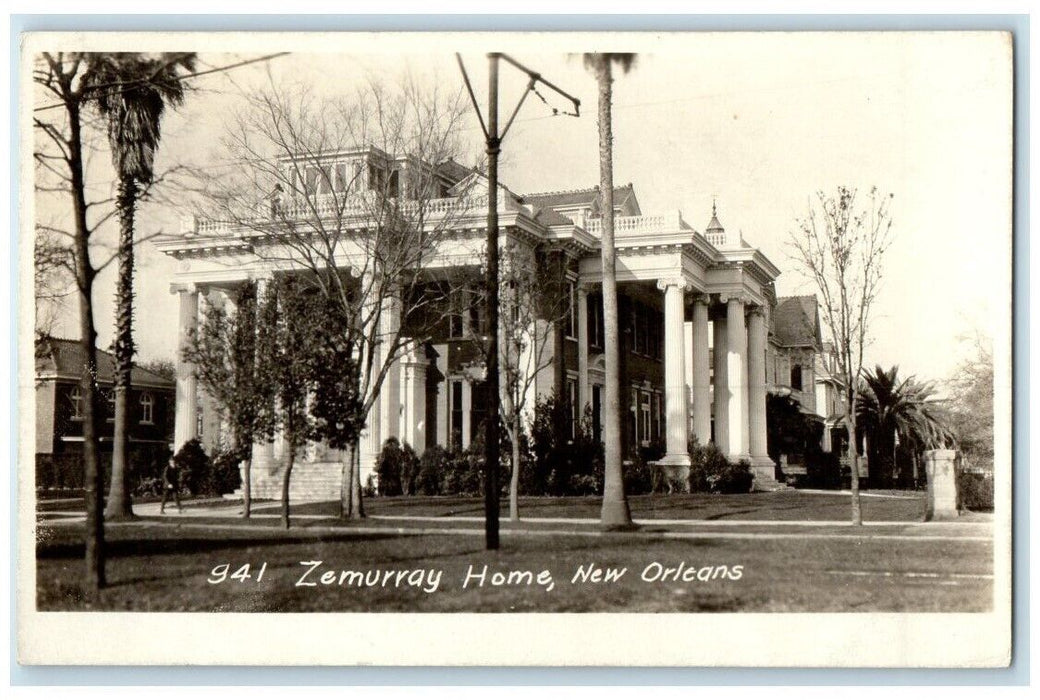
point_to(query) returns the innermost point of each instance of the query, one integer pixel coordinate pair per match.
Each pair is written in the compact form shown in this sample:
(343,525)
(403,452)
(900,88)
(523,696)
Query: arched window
(76,397)
(796,377)
(147,407)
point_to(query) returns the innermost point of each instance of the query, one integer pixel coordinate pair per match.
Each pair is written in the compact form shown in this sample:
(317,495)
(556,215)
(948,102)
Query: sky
(757,123)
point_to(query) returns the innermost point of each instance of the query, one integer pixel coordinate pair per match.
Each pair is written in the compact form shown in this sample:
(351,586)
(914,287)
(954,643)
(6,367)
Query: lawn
(790,505)
(160,566)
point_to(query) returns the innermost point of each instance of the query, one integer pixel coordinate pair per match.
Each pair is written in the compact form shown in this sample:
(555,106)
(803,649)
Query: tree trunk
(118,507)
(350,506)
(850,425)
(285,485)
(615,511)
(247,487)
(94,536)
(514,478)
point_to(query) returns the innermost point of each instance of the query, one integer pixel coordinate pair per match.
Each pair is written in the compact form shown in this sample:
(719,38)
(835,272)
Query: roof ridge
(594,188)
(552,192)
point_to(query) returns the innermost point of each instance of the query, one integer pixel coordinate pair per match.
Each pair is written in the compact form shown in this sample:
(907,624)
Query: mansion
(699,342)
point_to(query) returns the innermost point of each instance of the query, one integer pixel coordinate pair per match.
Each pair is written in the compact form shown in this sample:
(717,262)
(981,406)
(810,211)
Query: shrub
(974,490)
(396,468)
(225,474)
(432,466)
(710,471)
(194,465)
(561,465)
(638,477)
(369,489)
(464,472)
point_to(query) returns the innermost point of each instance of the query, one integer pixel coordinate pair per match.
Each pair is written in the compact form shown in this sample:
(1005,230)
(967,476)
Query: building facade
(59,410)
(681,293)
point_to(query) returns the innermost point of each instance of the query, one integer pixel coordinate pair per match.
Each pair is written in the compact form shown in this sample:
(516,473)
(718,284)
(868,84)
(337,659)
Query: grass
(156,566)
(788,505)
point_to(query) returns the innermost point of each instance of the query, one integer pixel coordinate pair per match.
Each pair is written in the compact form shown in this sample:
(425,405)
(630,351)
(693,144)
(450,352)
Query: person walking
(171,479)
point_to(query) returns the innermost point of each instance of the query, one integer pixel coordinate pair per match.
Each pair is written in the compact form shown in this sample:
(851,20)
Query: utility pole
(493,141)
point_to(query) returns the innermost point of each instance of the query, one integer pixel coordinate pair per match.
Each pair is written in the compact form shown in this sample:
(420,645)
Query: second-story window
(596,321)
(796,377)
(147,408)
(76,398)
(572,310)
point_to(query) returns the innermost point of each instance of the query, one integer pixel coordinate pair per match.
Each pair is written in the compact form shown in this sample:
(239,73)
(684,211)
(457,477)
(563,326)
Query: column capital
(737,297)
(583,288)
(755,310)
(681,282)
(701,298)
(185,287)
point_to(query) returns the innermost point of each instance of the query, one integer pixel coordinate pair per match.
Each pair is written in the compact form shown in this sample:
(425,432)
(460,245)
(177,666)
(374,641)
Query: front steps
(310,481)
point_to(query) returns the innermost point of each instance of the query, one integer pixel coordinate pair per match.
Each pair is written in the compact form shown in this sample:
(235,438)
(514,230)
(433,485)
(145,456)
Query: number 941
(244,573)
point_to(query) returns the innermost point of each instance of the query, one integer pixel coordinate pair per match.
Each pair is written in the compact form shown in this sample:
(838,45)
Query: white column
(721,386)
(677,421)
(208,407)
(443,395)
(390,392)
(736,358)
(263,452)
(414,368)
(186,416)
(583,349)
(760,460)
(701,379)
(371,438)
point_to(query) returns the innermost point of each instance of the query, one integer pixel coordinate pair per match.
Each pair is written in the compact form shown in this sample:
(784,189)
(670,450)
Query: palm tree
(131,92)
(615,511)
(891,410)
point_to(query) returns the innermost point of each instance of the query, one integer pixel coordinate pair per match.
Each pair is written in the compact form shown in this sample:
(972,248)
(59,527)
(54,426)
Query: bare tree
(839,246)
(533,303)
(355,192)
(58,153)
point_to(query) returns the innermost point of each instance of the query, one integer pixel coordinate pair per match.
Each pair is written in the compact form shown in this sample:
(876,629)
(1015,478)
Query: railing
(716,239)
(651,223)
(357,206)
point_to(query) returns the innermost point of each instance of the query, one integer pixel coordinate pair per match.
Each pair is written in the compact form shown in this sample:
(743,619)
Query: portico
(694,329)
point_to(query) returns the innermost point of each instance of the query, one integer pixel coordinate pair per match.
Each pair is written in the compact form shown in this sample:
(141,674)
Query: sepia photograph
(700,340)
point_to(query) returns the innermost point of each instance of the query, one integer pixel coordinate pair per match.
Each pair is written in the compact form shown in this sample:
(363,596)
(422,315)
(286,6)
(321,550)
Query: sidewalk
(229,516)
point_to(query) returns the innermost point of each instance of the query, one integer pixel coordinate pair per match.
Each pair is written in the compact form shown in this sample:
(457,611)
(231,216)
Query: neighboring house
(801,365)
(59,408)
(673,282)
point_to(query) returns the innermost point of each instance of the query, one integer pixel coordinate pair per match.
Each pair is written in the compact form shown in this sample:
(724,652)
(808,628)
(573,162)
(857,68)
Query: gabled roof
(65,358)
(796,322)
(568,199)
(548,217)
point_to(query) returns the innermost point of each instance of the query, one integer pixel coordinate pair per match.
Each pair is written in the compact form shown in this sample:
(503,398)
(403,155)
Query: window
(655,415)
(456,415)
(110,400)
(638,329)
(147,408)
(796,377)
(310,185)
(653,334)
(596,321)
(572,311)
(76,398)
(478,409)
(572,404)
(341,184)
(644,418)
(597,409)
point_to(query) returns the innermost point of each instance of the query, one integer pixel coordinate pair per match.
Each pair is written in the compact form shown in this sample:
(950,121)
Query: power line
(177,78)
